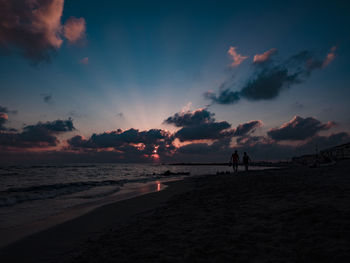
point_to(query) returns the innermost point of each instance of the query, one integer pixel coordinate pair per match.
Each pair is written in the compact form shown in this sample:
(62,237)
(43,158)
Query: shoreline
(89,225)
(13,234)
(284,215)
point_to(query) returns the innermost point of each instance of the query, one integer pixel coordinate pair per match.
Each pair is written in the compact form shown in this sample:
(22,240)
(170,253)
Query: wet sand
(287,215)
(10,235)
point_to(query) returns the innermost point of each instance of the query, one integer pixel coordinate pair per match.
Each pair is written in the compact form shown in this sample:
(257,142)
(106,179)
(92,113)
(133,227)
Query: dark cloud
(3,109)
(38,135)
(120,115)
(200,148)
(131,145)
(210,131)
(310,61)
(218,151)
(48,98)
(201,125)
(269,79)
(307,60)
(261,147)
(190,118)
(250,140)
(198,125)
(78,141)
(245,128)
(53,126)
(299,129)
(34,27)
(6,110)
(226,96)
(265,84)
(130,141)
(258,148)
(268,83)
(3,120)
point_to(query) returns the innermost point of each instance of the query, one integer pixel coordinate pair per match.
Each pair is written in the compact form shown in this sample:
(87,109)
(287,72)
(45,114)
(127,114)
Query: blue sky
(148,60)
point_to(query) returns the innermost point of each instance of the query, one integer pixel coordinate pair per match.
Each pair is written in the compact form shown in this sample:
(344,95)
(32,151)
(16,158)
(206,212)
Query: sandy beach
(286,215)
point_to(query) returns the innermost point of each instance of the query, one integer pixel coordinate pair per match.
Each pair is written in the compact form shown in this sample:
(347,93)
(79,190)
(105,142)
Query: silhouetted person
(234,160)
(246,160)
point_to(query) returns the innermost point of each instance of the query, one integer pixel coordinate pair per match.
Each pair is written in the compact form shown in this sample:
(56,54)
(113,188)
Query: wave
(91,196)
(46,166)
(13,196)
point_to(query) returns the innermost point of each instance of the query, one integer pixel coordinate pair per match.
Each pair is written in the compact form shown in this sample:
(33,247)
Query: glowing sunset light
(103,91)
(172,130)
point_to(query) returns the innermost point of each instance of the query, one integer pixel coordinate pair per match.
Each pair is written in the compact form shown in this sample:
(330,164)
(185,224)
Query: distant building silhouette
(327,155)
(337,152)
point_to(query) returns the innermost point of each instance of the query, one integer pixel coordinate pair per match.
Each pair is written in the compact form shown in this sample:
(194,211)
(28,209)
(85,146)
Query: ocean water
(32,193)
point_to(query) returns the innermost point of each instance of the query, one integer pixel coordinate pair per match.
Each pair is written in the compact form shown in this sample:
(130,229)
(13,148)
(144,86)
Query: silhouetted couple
(235,160)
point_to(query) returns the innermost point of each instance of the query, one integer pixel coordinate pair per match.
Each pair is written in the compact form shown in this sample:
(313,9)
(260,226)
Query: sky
(170,81)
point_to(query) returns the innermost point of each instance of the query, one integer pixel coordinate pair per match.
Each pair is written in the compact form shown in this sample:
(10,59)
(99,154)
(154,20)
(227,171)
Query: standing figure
(234,161)
(246,160)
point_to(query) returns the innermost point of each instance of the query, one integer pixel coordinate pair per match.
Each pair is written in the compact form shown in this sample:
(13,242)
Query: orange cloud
(330,57)
(84,61)
(47,19)
(259,58)
(74,29)
(34,27)
(237,58)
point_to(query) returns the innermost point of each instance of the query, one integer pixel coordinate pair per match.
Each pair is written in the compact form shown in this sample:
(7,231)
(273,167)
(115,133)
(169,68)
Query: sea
(36,194)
